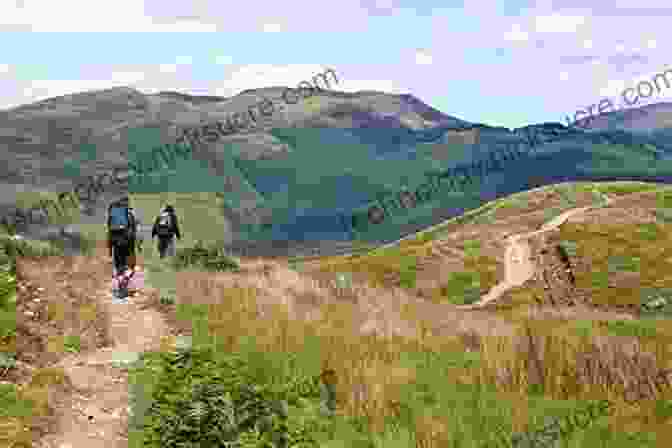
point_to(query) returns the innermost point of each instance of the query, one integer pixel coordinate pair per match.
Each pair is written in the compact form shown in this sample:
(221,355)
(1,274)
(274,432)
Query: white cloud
(272,27)
(127,78)
(267,75)
(423,58)
(93,16)
(664,92)
(172,68)
(587,44)
(4,68)
(516,34)
(182,26)
(379,85)
(168,68)
(41,89)
(651,44)
(557,23)
(615,88)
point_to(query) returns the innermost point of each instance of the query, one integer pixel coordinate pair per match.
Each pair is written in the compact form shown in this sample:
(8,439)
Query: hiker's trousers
(166,247)
(120,256)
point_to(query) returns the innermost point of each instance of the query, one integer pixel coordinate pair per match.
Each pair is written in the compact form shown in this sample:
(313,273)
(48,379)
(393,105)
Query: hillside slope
(293,183)
(582,326)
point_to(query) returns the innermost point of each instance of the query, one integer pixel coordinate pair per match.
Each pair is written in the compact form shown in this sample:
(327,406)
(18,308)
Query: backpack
(164,226)
(120,225)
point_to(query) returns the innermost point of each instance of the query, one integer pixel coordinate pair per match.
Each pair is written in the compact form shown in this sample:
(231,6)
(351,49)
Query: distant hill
(301,172)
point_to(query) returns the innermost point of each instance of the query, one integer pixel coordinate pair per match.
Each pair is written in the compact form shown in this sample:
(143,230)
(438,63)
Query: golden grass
(366,332)
(38,396)
(367,367)
(597,246)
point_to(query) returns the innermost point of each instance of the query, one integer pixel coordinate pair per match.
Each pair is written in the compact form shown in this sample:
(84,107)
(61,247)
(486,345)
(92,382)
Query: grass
(26,410)
(343,388)
(72,344)
(608,251)
(211,257)
(617,188)
(462,288)
(485,213)
(397,392)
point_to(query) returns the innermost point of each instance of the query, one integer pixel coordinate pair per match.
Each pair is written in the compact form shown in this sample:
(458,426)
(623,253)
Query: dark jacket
(175,225)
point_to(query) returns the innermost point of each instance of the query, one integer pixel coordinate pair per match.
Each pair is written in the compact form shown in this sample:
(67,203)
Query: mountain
(295,179)
(636,119)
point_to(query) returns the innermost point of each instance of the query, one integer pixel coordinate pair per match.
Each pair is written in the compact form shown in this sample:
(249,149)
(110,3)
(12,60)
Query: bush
(7,293)
(202,397)
(212,258)
(13,247)
(7,275)
(663,215)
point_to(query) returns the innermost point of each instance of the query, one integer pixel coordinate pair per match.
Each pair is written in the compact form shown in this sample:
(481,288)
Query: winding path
(96,413)
(518,266)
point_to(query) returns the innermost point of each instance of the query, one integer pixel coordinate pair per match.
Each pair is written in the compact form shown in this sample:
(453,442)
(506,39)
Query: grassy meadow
(273,355)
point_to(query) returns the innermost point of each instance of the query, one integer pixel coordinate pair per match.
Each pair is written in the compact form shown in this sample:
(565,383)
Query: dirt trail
(96,415)
(518,266)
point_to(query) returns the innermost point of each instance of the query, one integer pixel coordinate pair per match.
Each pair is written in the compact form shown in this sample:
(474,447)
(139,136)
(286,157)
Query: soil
(518,265)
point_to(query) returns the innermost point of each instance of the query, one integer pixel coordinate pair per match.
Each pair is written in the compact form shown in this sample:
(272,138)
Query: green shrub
(7,293)
(27,248)
(639,329)
(211,258)
(552,212)
(462,288)
(568,248)
(664,215)
(656,301)
(167,300)
(202,397)
(7,287)
(73,344)
(344,280)
(472,248)
(408,271)
(11,404)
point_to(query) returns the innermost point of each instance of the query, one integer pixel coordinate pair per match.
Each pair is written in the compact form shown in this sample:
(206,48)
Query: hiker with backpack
(122,232)
(165,228)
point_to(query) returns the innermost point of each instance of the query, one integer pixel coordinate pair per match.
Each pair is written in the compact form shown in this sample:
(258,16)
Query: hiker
(121,230)
(166,227)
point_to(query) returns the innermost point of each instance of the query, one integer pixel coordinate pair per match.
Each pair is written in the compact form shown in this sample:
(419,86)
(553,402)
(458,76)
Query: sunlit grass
(430,390)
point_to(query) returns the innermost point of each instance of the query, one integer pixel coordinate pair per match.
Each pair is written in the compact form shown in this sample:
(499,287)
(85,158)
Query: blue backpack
(120,224)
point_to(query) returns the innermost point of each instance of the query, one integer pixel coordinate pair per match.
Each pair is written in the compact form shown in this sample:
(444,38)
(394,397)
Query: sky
(498,62)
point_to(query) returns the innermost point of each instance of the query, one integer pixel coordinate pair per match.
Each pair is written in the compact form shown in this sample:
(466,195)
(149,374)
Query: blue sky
(505,63)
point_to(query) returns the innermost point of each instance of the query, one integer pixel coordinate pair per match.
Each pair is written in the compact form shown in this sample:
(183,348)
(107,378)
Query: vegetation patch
(462,288)
(636,328)
(472,248)
(210,258)
(618,188)
(606,252)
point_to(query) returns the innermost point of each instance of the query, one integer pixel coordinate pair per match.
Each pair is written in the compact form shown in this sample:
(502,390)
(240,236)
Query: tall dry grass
(366,335)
